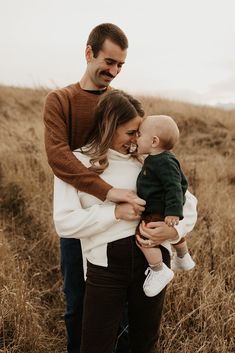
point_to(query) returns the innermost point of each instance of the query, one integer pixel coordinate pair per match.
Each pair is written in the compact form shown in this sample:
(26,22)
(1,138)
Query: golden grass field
(199,314)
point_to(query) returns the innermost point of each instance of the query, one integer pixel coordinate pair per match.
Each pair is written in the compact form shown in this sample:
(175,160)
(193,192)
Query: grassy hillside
(199,313)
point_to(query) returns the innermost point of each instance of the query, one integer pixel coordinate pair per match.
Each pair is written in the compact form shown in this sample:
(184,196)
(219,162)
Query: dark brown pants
(107,291)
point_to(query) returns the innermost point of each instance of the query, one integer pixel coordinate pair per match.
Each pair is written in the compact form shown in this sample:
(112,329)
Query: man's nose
(114,70)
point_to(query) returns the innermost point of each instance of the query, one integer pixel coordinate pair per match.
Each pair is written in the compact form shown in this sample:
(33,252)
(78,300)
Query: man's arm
(66,166)
(60,157)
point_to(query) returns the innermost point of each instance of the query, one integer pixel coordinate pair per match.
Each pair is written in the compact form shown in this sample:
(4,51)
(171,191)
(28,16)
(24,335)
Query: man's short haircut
(106,31)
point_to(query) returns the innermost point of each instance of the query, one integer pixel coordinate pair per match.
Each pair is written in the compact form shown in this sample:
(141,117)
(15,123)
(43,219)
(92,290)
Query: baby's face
(145,137)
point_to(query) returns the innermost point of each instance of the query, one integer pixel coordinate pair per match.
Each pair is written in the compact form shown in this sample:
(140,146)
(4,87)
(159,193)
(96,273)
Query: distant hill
(226,106)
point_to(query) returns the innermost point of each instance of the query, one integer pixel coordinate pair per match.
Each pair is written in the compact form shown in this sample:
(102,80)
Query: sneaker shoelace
(148,271)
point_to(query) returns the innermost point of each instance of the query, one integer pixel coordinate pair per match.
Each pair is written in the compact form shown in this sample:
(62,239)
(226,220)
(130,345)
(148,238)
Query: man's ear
(88,53)
(155,141)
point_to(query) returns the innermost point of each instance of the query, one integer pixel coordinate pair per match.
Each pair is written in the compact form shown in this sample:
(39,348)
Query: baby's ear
(155,141)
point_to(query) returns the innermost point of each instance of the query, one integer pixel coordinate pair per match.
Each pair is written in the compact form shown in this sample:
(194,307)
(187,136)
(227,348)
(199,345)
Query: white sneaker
(157,280)
(185,263)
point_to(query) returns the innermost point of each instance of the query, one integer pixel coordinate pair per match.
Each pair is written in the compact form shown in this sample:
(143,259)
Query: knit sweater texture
(69,118)
(162,184)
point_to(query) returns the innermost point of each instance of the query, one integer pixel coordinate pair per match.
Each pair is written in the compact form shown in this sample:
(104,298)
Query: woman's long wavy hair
(114,108)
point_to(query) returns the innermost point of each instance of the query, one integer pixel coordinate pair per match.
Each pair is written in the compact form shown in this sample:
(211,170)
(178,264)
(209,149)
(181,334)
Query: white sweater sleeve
(190,216)
(71,220)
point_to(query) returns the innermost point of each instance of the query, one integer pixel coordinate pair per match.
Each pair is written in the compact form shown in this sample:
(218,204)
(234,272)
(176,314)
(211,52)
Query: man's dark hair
(106,31)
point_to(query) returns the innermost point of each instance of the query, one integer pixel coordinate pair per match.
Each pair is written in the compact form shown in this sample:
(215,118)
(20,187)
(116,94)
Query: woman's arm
(158,232)
(72,221)
(190,216)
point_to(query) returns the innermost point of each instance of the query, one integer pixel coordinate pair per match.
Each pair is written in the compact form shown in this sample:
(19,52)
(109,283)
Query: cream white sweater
(83,216)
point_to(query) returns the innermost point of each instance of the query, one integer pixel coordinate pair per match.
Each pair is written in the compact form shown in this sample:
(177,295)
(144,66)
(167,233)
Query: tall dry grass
(199,311)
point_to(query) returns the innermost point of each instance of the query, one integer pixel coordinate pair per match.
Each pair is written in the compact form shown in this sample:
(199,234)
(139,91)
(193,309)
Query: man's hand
(156,233)
(125,195)
(126,211)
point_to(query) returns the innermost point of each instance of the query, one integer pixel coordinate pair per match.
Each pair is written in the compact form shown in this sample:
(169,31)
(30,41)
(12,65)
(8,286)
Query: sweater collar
(117,155)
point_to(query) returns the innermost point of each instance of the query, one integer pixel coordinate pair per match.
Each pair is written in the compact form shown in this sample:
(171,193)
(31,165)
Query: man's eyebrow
(115,61)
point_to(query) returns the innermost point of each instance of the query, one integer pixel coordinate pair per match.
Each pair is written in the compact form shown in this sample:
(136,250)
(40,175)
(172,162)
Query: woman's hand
(126,211)
(126,196)
(156,233)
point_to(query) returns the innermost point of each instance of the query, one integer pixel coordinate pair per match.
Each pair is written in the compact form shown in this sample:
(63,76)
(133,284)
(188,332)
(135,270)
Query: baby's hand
(172,221)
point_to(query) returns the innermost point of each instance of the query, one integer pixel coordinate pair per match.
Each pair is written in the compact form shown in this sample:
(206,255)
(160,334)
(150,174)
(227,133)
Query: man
(68,118)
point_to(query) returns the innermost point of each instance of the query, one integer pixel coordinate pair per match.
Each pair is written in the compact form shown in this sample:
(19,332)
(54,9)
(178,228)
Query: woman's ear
(88,53)
(155,141)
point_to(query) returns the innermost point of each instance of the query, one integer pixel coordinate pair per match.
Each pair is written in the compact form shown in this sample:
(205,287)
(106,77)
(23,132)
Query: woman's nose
(133,139)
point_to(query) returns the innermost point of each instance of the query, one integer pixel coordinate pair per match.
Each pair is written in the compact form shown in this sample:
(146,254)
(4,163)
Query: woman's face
(125,135)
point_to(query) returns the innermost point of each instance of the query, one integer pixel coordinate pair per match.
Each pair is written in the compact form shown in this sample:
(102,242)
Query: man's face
(106,66)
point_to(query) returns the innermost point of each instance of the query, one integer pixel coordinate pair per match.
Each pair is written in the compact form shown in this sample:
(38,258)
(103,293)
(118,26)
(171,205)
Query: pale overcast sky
(183,49)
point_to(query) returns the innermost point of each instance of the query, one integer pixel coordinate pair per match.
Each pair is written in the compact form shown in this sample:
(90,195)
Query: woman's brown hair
(114,108)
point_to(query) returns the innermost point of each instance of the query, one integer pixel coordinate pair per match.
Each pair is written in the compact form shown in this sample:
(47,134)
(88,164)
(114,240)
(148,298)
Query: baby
(162,184)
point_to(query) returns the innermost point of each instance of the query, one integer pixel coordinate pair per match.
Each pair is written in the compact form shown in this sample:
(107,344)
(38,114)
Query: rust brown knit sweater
(68,117)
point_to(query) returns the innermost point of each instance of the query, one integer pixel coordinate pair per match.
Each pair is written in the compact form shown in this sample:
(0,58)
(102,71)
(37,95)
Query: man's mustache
(107,74)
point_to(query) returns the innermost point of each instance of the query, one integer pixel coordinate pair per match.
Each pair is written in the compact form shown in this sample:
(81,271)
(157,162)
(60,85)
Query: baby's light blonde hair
(166,129)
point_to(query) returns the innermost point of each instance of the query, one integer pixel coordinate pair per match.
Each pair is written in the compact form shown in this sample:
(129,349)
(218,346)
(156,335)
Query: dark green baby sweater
(162,184)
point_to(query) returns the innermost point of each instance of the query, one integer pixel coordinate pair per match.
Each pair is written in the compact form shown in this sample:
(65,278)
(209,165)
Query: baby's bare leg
(153,256)
(181,248)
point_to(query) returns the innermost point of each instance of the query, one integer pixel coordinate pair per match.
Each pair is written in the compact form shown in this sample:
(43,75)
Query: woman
(115,264)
